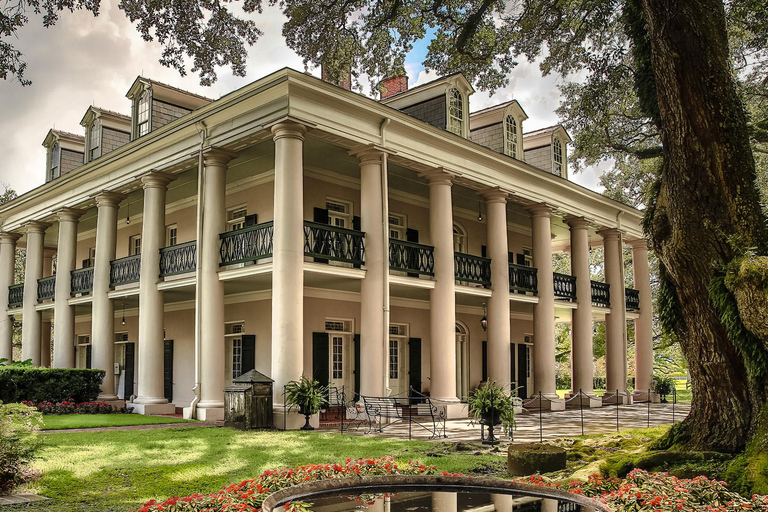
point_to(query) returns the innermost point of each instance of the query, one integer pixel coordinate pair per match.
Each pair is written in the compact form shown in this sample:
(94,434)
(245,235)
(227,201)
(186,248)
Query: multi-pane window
(236,218)
(455,112)
(94,150)
(527,257)
(338,354)
(394,359)
(237,357)
(557,157)
(55,157)
(459,238)
(172,237)
(339,213)
(142,114)
(397,226)
(134,245)
(510,136)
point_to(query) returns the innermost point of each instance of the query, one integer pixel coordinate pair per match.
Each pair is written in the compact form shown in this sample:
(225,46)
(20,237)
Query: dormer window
(510,136)
(94,137)
(455,112)
(557,157)
(55,160)
(143,115)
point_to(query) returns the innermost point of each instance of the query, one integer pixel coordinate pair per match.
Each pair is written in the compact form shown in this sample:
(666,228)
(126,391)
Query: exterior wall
(491,136)
(257,317)
(431,111)
(83,249)
(164,113)
(316,191)
(113,139)
(416,217)
(258,200)
(186,223)
(70,160)
(540,157)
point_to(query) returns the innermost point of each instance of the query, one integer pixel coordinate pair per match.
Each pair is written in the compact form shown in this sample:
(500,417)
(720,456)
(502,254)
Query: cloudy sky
(86,61)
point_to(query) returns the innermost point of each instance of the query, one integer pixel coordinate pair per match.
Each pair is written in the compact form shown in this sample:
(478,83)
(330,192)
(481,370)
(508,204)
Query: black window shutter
(249,352)
(320,358)
(521,259)
(414,364)
(522,371)
(130,350)
(168,370)
(251,220)
(510,257)
(88,357)
(357,223)
(321,215)
(357,365)
(412,235)
(483,251)
(485,361)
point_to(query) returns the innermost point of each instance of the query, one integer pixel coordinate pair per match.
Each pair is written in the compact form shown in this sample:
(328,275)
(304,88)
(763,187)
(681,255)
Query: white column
(498,304)
(581,317)
(211,405)
(45,333)
(288,264)
(615,321)
(376,283)
(102,308)
(7,271)
(150,399)
(442,313)
(31,329)
(63,313)
(444,502)
(544,310)
(644,324)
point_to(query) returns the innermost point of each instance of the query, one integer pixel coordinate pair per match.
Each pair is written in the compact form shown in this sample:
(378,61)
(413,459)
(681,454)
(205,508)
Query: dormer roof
(66,139)
(429,90)
(105,115)
(543,136)
(495,114)
(167,93)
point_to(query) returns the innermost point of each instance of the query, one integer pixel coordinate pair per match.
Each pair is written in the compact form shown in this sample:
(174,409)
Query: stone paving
(554,424)
(24,497)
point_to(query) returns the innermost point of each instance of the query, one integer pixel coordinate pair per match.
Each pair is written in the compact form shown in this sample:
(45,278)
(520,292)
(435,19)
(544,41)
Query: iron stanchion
(410,412)
(617,410)
(674,400)
(285,410)
(343,406)
(541,406)
(649,408)
(581,409)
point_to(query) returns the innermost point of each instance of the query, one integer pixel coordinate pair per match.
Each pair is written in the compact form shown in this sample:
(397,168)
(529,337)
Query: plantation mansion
(298,228)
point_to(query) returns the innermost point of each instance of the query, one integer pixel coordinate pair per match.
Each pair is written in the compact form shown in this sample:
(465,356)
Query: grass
(683,394)
(69,421)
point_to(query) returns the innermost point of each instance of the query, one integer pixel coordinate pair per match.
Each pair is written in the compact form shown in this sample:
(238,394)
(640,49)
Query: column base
(209,414)
(106,397)
(117,404)
(624,398)
(292,420)
(642,396)
(150,409)
(585,400)
(454,409)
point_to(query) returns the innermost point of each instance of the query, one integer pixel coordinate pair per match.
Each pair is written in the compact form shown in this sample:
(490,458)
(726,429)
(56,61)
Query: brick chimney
(393,85)
(344,81)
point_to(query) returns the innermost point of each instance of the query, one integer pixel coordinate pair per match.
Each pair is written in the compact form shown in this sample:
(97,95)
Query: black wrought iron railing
(565,286)
(472,269)
(46,288)
(82,281)
(411,257)
(15,295)
(601,294)
(523,279)
(326,242)
(178,259)
(124,270)
(633,299)
(248,244)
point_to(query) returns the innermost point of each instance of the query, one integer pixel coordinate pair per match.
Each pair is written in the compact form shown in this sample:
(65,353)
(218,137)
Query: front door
(462,362)
(523,365)
(168,370)
(128,364)
(398,383)
(338,360)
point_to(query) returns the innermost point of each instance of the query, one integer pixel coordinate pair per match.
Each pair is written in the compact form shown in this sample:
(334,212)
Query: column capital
(288,130)
(638,243)
(540,210)
(576,222)
(156,179)
(68,214)
(218,156)
(609,234)
(494,195)
(438,176)
(9,237)
(36,227)
(370,153)
(108,198)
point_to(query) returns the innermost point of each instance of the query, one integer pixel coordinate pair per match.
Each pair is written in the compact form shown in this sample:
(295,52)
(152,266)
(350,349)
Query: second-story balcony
(410,257)
(15,295)
(523,279)
(565,286)
(178,259)
(601,294)
(324,242)
(472,269)
(82,281)
(251,243)
(46,288)
(124,270)
(632,299)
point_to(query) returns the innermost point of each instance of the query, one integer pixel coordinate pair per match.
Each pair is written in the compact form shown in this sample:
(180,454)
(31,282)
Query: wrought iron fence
(178,259)
(601,293)
(15,295)
(248,244)
(565,286)
(81,280)
(523,279)
(411,257)
(326,242)
(124,270)
(632,299)
(46,288)
(472,269)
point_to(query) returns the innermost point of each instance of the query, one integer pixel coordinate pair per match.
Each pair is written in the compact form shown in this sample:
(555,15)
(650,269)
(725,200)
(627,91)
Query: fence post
(617,410)
(541,406)
(674,400)
(581,409)
(343,405)
(285,410)
(649,408)
(410,412)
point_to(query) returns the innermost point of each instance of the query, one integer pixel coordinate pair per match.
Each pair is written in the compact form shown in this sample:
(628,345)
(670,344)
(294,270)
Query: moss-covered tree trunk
(707,208)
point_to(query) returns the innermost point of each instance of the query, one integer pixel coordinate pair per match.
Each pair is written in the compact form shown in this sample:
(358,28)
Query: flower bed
(71,407)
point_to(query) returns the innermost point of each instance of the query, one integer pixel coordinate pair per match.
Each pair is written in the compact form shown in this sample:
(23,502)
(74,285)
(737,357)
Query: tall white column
(45,332)
(376,283)
(288,263)
(102,308)
(581,318)
(150,399)
(644,324)
(616,320)
(211,405)
(498,304)
(31,329)
(442,313)
(7,271)
(63,313)
(444,502)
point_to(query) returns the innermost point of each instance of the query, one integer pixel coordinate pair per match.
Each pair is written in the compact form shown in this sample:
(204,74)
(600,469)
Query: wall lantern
(484,320)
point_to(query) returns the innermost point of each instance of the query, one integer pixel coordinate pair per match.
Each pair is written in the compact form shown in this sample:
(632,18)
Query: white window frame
(528,255)
(54,168)
(236,222)
(459,239)
(510,135)
(558,160)
(132,242)
(171,235)
(144,126)
(347,215)
(398,334)
(94,136)
(455,113)
(400,228)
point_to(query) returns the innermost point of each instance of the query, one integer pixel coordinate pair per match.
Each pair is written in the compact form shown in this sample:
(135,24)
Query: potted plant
(493,406)
(308,395)
(663,386)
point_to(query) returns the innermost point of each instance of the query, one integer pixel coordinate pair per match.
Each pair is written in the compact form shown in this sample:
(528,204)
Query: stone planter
(527,459)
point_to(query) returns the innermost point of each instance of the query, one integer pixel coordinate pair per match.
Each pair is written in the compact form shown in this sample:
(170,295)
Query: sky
(83,61)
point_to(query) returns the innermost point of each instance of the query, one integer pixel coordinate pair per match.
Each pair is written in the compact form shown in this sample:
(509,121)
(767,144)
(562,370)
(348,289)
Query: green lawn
(120,470)
(67,421)
(683,394)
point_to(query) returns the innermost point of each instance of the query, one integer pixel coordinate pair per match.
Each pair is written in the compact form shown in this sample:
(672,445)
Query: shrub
(18,442)
(663,385)
(70,407)
(490,399)
(49,384)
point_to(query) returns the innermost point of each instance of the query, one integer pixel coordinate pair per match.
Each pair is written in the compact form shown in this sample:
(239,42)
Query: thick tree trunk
(707,206)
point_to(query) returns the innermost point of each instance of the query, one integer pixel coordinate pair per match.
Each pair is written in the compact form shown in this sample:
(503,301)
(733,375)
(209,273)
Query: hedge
(49,384)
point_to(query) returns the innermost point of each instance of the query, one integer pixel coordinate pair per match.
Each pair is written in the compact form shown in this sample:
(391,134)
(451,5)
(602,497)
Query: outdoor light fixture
(484,320)
(479,211)
(127,221)
(123,313)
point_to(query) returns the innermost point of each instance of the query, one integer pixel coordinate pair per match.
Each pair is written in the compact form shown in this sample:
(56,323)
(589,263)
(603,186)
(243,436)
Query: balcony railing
(124,270)
(633,299)
(411,257)
(82,281)
(523,279)
(178,259)
(46,288)
(248,244)
(601,294)
(15,295)
(472,269)
(565,286)
(326,242)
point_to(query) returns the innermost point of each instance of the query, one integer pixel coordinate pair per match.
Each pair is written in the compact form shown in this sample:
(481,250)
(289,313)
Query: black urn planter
(490,419)
(306,426)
